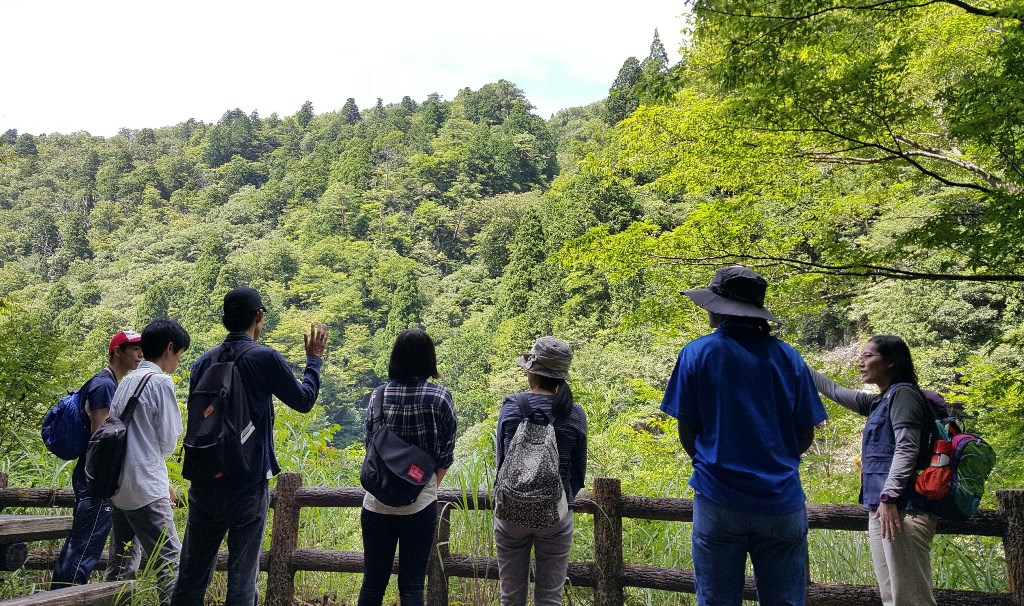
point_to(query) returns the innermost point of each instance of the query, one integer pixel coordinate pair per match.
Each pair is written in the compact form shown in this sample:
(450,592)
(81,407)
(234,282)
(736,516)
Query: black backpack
(218,442)
(393,471)
(104,457)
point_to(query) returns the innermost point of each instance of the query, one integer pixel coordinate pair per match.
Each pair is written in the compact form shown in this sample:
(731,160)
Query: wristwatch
(886,498)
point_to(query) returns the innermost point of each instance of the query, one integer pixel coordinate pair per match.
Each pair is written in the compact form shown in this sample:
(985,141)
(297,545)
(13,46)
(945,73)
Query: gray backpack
(529,490)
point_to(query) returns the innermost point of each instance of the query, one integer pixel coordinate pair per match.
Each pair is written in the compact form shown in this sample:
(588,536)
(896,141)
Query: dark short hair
(239,322)
(759,323)
(158,333)
(413,356)
(894,349)
(121,347)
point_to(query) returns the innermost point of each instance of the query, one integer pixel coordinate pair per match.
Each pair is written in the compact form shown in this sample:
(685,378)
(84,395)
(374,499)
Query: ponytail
(561,407)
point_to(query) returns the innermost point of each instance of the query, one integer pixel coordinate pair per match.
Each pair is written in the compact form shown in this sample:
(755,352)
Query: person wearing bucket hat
(747,408)
(734,291)
(548,398)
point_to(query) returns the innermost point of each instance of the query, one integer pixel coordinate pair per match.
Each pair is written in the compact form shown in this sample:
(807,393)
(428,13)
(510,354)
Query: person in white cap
(747,408)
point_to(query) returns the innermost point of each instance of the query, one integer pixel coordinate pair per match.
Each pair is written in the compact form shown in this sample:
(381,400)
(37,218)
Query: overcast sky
(72,65)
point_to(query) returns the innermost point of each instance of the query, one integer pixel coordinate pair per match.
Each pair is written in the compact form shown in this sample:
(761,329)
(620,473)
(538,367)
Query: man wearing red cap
(92,516)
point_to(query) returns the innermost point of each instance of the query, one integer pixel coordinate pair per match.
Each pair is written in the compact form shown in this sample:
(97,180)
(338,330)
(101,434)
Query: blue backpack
(66,428)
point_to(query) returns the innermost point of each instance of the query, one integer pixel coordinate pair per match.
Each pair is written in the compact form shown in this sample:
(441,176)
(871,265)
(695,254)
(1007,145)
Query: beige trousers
(904,566)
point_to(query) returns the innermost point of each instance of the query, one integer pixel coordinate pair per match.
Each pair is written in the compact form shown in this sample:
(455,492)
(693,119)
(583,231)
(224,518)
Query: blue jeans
(84,544)
(241,514)
(777,545)
(413,536)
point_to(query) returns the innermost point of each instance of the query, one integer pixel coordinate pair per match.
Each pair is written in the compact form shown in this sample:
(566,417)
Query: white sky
(72,65)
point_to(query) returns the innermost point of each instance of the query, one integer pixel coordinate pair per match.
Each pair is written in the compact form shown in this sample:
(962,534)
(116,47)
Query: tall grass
(642,451)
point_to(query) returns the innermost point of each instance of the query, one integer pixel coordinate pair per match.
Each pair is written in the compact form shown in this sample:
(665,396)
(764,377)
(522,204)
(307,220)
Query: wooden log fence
(607,574)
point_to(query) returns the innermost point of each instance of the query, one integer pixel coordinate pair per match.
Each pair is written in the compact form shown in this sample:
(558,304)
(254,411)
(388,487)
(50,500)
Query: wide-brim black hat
(734,291)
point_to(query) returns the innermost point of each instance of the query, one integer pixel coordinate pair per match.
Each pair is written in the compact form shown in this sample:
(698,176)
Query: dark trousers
(413,535)
(212,513)
(84,544)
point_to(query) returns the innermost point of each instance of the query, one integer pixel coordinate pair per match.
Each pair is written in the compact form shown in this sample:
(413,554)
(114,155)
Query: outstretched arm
(852,399)
(302,395)
(316,341)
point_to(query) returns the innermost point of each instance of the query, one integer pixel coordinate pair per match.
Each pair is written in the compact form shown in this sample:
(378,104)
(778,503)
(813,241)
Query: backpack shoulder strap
(523,400)
(377,407)
(524,404)
(236,353)
(133,402)
(83,400)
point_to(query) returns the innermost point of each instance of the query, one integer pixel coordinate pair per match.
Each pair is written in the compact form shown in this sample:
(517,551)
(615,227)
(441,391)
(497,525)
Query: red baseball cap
(122,338)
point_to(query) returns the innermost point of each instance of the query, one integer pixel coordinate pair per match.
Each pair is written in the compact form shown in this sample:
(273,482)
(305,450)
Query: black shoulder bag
(394,471)
(104,457)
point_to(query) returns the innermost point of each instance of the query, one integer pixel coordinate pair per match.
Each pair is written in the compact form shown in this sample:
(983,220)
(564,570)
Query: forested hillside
(867,163)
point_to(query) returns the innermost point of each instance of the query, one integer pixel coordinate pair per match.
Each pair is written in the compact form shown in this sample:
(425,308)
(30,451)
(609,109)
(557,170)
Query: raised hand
(316,341)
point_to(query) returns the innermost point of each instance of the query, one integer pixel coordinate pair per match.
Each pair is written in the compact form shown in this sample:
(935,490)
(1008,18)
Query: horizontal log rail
(94,594)
(607,574)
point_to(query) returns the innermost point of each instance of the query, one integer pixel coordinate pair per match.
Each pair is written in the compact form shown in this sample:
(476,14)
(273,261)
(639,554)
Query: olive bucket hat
(549,357)
(734,291)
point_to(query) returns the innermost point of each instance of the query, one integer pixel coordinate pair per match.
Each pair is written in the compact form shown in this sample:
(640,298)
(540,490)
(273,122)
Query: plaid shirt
(422,414)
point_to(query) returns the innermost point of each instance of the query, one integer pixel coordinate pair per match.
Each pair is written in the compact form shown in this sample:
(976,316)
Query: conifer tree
(622,96)
(350,111)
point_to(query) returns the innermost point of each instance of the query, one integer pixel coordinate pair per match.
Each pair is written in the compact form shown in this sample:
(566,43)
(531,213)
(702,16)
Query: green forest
(867,158)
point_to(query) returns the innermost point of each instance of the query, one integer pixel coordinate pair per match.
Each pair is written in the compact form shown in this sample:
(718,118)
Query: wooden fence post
(1011,505)
(284,537)
(608,542)
(437,578)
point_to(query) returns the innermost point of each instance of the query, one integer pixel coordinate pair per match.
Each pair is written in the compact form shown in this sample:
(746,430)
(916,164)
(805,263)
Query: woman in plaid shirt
(423,414)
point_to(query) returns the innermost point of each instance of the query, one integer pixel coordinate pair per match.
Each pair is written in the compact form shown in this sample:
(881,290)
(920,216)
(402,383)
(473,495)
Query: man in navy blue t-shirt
(92,516)
(747,408)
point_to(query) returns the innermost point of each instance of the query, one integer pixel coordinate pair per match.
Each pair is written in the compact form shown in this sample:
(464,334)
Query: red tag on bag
(415,473)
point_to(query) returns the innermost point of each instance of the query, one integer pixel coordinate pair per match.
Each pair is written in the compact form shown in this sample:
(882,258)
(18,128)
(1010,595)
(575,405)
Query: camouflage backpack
(529,490)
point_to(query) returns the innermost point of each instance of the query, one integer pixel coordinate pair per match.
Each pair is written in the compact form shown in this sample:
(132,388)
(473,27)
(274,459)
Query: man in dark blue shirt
(92,516)
(747,408)
(238,507)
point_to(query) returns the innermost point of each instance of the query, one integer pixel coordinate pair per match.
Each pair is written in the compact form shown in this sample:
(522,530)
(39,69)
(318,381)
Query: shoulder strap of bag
(83,402)
(523,400)
(524,405)
(377,407)
(133,402)
(235,353)
(929,431)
